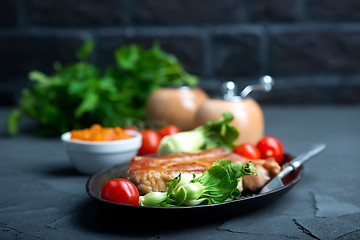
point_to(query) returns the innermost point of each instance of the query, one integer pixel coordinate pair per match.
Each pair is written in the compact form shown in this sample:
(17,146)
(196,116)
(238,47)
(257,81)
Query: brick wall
(310,47)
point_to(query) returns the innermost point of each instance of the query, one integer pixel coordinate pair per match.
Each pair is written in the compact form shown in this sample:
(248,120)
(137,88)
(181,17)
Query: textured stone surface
(21,53)
(27,52)
(70,13)
(312,41)
(187,48)
(236,54)
(278,10)
(43,197)
(333,206)
(347,94)
(187,11)
(310,51)
(292,94)
(332,10)
(8,13)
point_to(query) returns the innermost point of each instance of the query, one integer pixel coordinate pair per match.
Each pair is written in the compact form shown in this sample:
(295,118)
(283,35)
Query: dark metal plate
(247,202)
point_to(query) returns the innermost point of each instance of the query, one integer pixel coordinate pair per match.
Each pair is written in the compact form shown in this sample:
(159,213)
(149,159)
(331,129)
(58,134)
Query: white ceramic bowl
(89,157)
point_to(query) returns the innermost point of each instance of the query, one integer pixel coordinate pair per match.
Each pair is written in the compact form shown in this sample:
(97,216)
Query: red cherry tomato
(150,142)
(168,130)
(271,147)
(120,190)
(247,150)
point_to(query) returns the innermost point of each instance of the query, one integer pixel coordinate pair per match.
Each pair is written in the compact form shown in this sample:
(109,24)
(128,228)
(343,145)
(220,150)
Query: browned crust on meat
(183,162)
(151,174)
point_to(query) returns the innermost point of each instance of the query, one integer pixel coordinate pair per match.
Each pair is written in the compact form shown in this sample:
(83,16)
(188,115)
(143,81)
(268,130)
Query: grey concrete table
(43,197)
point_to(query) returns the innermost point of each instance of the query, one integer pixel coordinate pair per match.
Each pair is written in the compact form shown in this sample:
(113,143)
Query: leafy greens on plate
(216,185)
(214,134)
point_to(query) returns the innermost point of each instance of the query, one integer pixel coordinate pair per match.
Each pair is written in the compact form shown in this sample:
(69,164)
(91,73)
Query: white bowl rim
(66,137)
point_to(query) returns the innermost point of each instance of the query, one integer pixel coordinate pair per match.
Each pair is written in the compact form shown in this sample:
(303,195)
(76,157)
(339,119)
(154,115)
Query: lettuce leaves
(215,134)
(216,185)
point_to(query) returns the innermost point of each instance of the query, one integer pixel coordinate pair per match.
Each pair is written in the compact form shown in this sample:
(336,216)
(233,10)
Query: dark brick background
(310,47)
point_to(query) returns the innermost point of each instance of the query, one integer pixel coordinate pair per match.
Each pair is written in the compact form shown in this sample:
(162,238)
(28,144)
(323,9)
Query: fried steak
(150,174)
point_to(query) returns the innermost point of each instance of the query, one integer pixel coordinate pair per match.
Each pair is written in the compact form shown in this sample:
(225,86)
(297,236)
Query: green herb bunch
(80,94)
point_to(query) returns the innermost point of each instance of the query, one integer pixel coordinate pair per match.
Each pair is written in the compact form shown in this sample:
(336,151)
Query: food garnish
(267,147)
(151,138)
(150,142)
(217,133)
(217,184)
(247,150)
(169,130)
(120,190)
(271,147)
(98,133)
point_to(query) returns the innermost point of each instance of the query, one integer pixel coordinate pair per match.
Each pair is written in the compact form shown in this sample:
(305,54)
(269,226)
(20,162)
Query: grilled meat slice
(266,169)
(150,174)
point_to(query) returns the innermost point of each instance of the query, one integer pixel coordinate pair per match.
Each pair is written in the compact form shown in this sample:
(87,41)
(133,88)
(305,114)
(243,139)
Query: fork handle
(294,164)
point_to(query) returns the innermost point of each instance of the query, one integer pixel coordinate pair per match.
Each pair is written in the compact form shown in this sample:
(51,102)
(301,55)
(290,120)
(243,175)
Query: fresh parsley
(80,94)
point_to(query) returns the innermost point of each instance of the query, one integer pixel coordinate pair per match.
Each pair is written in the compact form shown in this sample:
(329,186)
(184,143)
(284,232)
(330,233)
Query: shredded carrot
(98,133)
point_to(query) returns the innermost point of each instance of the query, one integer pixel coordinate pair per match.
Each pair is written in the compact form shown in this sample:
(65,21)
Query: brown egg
(248,117)
(175,105)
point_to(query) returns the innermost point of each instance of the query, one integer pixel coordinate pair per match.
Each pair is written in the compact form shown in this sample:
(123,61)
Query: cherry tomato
(247,150)
(150,142)
(120,190)
(168,130)
(271,147)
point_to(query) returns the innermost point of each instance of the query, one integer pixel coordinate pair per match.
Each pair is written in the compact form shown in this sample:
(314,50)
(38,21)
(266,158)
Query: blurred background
(310,47)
